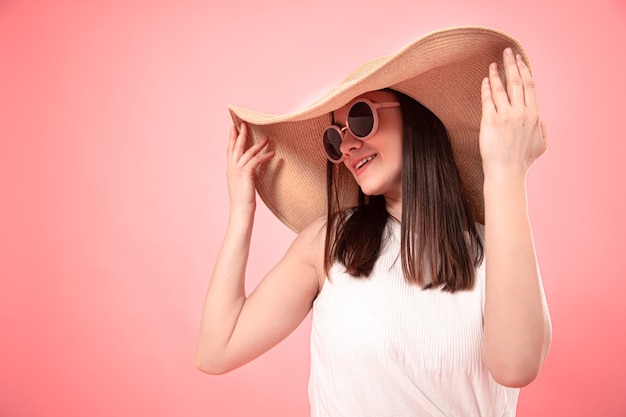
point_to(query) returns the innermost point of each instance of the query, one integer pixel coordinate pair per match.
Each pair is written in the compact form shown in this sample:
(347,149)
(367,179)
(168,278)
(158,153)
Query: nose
(349,142)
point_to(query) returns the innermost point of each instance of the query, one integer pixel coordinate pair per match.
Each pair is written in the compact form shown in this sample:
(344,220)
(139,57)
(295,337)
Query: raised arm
(517,323)
(234,328)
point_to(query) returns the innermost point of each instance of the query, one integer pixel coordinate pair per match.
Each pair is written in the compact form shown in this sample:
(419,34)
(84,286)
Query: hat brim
(442,70)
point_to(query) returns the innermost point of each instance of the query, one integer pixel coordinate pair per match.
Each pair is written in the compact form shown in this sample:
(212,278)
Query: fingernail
(508,52)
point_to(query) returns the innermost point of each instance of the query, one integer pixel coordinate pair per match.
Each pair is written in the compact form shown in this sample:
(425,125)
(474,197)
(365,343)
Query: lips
(357,164)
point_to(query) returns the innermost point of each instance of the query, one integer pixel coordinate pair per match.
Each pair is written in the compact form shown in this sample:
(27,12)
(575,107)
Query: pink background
(113,128)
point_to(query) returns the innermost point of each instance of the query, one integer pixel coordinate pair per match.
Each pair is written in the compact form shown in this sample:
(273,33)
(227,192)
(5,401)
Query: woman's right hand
(241,166)
(236,328)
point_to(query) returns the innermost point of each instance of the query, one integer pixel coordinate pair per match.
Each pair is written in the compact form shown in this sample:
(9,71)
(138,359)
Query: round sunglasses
(361,123)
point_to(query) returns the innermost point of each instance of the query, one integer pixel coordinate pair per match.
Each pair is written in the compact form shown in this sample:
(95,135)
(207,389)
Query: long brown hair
(437,229)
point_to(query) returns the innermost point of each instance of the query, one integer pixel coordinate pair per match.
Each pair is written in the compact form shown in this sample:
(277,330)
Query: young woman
(418,309)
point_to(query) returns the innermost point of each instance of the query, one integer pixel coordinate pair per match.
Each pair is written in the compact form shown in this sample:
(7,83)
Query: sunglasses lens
(332,142)
(361,119)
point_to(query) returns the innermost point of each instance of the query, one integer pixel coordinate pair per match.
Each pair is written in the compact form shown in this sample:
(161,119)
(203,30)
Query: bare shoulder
(314,234)
(308,247)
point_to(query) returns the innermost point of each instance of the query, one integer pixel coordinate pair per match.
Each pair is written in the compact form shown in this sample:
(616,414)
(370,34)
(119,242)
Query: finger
(252,152)
(530,98)
(486,98)
(240,142)
(264,157)
(232,138)
(257,159)
(498,93)
(514,85)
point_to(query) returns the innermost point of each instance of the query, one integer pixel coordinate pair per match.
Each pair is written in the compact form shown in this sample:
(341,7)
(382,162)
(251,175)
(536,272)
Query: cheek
(392,128)
(395,149)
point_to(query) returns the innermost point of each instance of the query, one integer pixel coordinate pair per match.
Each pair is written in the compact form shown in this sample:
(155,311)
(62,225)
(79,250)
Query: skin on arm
(234,328)
(517,326)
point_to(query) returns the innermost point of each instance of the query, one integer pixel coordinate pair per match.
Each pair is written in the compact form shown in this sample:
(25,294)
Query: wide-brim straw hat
(442,70)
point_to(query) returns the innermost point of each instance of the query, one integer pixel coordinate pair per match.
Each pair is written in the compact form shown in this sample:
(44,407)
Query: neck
(394,207)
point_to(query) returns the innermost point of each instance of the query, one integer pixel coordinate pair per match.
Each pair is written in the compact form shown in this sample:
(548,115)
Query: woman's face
(376,163)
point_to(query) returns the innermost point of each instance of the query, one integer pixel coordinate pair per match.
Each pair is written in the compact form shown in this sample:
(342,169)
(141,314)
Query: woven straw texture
(443,70)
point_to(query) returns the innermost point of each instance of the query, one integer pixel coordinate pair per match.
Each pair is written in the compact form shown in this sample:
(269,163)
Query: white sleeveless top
(382,347)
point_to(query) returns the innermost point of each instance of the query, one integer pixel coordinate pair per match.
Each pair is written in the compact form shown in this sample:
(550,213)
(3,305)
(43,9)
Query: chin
(370,192)
(373,187)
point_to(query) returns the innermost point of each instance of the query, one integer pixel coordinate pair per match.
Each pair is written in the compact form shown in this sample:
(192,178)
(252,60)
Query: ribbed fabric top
(382,347)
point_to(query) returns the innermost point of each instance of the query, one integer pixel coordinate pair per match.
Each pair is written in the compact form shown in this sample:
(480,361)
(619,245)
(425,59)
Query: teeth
(364,161)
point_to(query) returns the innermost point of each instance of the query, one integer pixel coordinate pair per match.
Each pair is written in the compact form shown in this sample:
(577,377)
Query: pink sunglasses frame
(340,130)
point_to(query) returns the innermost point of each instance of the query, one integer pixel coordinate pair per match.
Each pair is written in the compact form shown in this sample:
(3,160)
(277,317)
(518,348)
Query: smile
(365,161)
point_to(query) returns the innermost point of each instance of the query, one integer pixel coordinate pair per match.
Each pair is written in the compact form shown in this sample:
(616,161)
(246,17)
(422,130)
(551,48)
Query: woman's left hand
(512,135)
(517,328)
